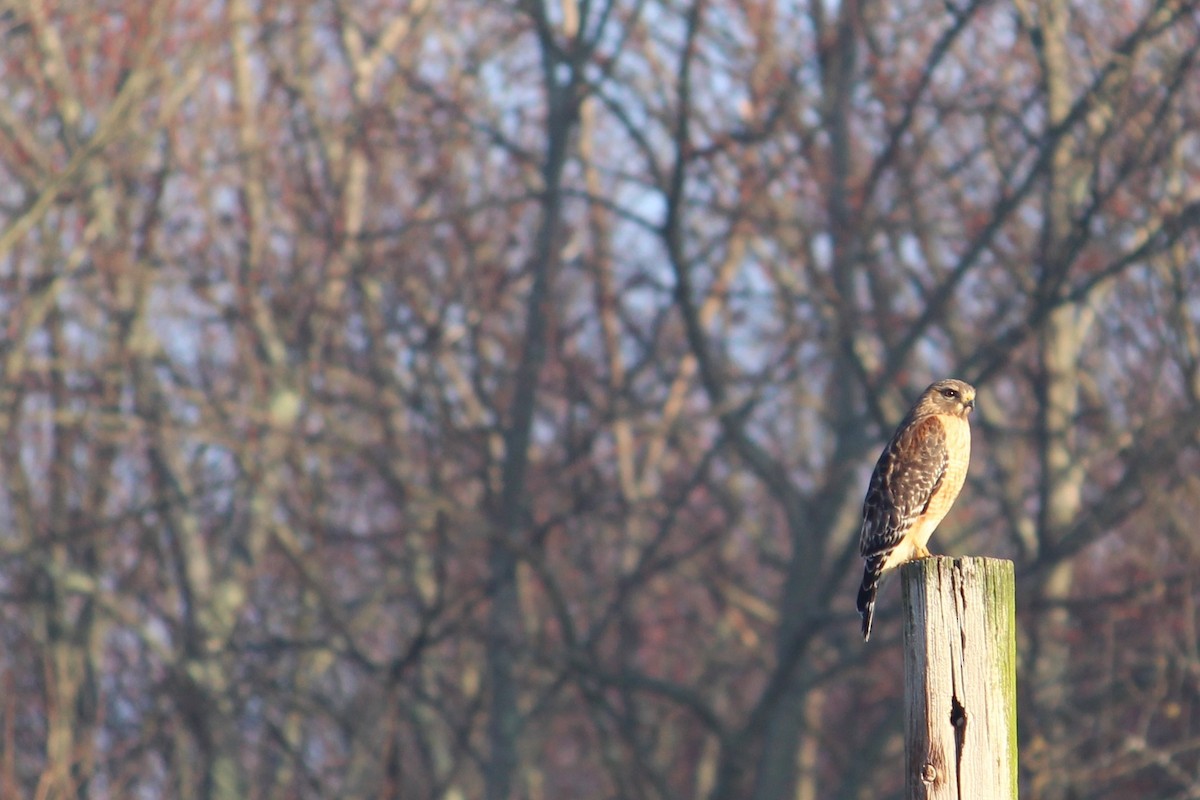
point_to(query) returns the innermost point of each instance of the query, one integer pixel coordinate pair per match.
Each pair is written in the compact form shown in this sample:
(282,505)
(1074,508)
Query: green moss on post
(960,682)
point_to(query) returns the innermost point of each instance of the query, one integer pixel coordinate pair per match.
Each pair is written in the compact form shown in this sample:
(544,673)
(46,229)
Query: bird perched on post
(917,478)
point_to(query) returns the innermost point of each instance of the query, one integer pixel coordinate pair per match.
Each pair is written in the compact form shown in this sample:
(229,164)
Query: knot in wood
(929,773)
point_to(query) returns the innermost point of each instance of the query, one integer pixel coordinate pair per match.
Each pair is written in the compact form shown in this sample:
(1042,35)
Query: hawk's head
(949,397)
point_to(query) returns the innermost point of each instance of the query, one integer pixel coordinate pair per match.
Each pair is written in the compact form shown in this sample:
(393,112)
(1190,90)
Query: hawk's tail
(866,594)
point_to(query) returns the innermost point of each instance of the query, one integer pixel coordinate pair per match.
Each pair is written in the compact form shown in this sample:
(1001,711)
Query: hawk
(917,478)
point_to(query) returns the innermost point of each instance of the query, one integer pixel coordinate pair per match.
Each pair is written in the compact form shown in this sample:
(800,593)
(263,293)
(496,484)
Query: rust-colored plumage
(916,480)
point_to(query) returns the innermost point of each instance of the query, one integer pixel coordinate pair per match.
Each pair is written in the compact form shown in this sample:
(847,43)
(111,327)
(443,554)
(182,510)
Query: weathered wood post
(960,657)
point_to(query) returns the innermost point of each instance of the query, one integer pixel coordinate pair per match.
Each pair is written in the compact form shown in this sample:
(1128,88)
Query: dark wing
(907,475)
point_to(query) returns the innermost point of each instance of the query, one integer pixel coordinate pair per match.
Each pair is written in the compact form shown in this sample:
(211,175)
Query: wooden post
(960,657)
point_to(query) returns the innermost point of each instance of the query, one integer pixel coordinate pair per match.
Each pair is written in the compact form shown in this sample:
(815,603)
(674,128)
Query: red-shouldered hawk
(917,478)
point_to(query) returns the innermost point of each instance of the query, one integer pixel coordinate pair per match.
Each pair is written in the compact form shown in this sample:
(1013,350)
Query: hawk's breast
(958,455)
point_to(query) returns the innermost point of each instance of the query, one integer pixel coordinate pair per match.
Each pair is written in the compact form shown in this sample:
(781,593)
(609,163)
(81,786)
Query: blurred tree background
(446,399)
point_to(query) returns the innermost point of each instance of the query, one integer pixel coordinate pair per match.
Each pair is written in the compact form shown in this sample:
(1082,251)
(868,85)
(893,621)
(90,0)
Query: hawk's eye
(949,394)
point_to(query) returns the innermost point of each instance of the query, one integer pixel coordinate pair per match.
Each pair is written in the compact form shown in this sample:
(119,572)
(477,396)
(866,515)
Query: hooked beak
(970,404)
